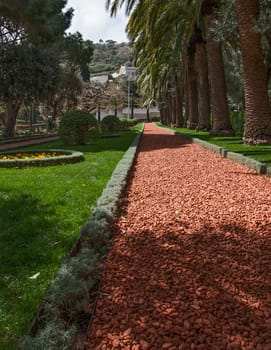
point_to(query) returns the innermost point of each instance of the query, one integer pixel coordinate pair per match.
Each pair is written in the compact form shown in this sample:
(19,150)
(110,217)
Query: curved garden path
(190,265)
(27,142)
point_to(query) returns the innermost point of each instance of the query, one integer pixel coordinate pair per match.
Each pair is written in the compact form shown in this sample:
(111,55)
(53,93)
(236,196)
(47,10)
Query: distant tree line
(109,56)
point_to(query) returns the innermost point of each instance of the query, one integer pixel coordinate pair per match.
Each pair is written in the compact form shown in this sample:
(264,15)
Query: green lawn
(41,212)
(234,144)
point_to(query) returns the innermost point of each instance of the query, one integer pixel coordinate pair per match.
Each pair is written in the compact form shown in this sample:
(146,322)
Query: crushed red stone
(190,266)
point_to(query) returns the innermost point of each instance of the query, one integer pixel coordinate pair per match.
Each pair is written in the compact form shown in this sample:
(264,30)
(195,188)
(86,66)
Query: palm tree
(221,124)
(169,22)
(204,119)
(192,92)
(258,112)
(158,59)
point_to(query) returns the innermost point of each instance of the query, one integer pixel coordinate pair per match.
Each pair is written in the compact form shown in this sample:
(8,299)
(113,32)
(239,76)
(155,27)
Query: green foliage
(238,122)
(111,123)
(128,123)
(27,73)
(78,127)
(109,56)
(77,51)
(42,21)
(101,68)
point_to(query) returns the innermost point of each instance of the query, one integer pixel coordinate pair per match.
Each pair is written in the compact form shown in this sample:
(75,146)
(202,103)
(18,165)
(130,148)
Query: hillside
(109,56)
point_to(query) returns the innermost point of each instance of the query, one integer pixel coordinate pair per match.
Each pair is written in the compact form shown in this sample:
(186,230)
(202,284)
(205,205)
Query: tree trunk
(99,112)
(166,109)
(54,111)
(204,120)
(12,112)
(258,112)
(192,89)
(186,95)
(173,104)
(148,114)
(132,108)
(116,109)
(169,101)
(162,118)
(221,124)
(179,103)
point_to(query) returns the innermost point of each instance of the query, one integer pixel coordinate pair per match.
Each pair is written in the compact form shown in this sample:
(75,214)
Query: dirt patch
(190,266)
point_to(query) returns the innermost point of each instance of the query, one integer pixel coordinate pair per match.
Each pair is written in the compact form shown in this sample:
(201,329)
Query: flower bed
(15,159)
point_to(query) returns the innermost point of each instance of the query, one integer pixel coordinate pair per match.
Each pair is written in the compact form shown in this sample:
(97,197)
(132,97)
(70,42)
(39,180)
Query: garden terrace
(42,210)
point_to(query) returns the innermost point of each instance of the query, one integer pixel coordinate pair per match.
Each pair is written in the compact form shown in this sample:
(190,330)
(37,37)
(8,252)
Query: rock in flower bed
(15,159)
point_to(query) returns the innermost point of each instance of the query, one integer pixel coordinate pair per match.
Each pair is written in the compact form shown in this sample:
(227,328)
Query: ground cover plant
(42,210)
(233,143)
(27,155)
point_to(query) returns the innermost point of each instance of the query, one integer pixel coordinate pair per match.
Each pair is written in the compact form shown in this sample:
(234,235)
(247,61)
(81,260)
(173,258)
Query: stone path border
(250,163)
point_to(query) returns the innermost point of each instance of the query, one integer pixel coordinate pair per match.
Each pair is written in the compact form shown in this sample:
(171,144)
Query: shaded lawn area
(234,144)
(41,212)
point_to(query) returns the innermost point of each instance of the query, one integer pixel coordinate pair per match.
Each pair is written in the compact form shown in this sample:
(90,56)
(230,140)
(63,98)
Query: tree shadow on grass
(30,244)
(206,290)
(28,226)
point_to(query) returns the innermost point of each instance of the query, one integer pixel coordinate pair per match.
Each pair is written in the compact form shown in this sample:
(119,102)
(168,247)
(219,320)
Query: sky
(93,21)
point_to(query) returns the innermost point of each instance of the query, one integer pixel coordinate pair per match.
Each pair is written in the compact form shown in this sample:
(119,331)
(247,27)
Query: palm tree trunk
(148,114)
(99,112)
(173,104)
(166,110)
(192,89)
(258,112)
(186,95)
(169,101)
(221,124)
(178,102)
(204,120)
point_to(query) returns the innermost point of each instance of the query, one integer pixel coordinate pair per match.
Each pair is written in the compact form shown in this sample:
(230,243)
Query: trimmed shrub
(78,127)
(111,123)
(128,123)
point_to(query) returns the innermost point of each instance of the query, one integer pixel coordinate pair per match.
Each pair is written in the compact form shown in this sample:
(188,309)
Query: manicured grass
(234,144)
(41,212)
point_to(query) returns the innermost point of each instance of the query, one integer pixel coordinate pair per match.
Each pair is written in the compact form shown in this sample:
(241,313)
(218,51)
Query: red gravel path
(190,266)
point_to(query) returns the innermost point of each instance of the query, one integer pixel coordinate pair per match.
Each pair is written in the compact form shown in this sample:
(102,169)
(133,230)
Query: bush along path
(190,264)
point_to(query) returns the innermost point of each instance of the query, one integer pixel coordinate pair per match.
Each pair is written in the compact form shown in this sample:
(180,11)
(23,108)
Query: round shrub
(128,123)
(78,127)
(111,123)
